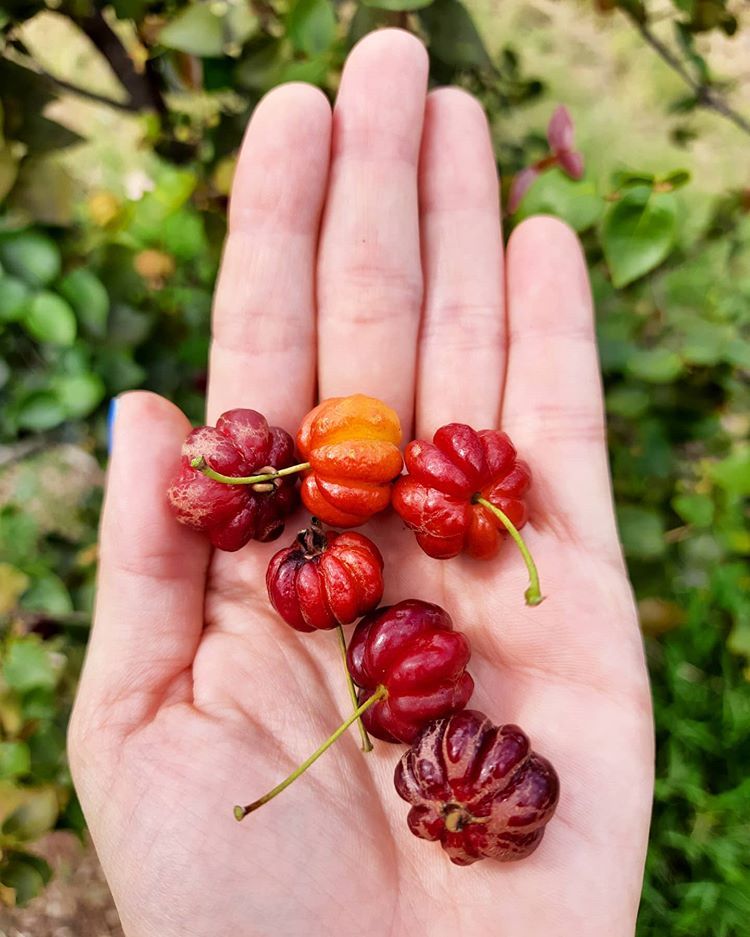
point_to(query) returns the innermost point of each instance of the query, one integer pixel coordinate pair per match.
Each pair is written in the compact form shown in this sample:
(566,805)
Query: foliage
(109,288)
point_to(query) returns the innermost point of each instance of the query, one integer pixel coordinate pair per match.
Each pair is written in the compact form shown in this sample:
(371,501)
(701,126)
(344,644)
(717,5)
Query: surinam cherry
(477,788)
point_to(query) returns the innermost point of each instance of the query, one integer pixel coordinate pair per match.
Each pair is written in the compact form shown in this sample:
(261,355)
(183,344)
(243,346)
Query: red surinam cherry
(241,444)
(438,498)
(325,579)
(410,654)
(464,490)
(477,788)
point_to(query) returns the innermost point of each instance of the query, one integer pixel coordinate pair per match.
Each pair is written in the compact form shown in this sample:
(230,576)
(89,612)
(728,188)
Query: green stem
(366,743)
(202,466)
(533,594)
(241,812)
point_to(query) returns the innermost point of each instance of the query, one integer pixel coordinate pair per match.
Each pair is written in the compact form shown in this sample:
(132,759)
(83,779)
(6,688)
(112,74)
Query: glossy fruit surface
(412,650)
(477,788)
(241,444)
(436,498)
(325,579)
(352,445)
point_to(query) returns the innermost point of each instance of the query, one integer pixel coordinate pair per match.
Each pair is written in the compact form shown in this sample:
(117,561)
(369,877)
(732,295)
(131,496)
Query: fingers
(369,275)
(552,405)
(149,609)
(263,351)
(462,346)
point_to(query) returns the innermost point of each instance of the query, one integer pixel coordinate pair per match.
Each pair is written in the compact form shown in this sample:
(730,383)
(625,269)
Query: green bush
(108,287)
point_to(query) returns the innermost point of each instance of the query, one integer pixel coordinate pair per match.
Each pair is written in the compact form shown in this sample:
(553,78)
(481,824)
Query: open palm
(365,255)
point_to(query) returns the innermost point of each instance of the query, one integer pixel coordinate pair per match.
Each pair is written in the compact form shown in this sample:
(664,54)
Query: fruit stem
(366,743)
(201,465)
(241,812)
(313,540)
(533,594)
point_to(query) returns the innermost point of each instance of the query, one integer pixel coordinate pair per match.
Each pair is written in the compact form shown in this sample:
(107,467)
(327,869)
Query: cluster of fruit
(475,787)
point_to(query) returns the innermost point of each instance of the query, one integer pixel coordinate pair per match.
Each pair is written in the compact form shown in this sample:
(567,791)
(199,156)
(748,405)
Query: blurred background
(119,127)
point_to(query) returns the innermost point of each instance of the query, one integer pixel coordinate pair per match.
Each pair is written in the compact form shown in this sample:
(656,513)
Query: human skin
(365,255)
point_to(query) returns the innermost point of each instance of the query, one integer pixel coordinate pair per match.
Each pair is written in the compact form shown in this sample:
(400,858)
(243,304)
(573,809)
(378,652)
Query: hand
(196,697)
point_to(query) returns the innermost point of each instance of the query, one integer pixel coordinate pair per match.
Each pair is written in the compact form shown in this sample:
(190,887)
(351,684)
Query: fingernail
(111,416)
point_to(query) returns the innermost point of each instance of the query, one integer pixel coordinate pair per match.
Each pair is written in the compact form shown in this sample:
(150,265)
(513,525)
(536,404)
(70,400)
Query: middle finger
(369,271)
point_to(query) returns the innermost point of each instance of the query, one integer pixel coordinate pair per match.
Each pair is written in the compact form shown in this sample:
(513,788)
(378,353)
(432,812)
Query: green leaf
(14,296)
(627,401)
(39,411)
(15,759)
(694,509)
(79,394)
(19,534)
(183,235)
(656,365)
(737,352)
(13,583)
(31,93)
(733,473)
(196,30)
(8,169)
(28,664)
(130,9)
(554,193)
(703,342)
(89,298)
(49,318)
(314,70)
(40,703)
(45,191)
(641,531)
(311,26)
(120,371)
(258,70)
(398,5)
(47,752)
(241,24)
(638,234)
(31,256)
(365,20)
(35,816)
(453,37)
(24,878)
(150,213)
(72,817)
(677,178)
(48,594)
(623,178)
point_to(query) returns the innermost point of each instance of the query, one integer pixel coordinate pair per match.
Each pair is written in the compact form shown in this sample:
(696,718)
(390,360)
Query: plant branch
(705,96)
(62,85)
(142,89)
(59,84)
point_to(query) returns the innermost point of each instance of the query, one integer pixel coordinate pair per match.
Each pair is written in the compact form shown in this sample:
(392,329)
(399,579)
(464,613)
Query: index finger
(263,348)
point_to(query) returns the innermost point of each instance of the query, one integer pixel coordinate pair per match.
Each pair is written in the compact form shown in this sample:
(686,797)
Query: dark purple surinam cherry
(477,788)
(241,445)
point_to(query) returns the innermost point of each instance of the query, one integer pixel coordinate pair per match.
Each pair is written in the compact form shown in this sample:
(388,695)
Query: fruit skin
(412,650)
(325,579)
(352,445)
(241,444)
(435,498)
(477,788)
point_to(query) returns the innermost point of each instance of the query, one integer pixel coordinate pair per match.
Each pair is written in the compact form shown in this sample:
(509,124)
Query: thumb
(152,572)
